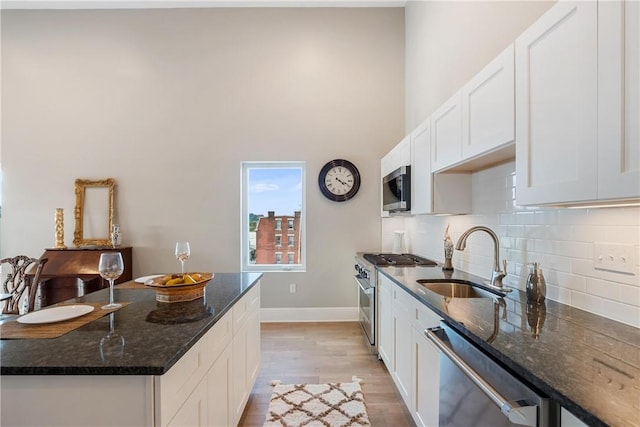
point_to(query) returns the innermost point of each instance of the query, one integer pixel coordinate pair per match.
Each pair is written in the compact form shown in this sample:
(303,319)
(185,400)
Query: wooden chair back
(17,281)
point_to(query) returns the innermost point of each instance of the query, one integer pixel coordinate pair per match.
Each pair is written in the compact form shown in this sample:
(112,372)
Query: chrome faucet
(496,275)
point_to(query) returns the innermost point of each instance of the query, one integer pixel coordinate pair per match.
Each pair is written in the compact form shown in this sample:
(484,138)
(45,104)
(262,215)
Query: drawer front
(219,337)
(174,387)
(424,317)
(243,308)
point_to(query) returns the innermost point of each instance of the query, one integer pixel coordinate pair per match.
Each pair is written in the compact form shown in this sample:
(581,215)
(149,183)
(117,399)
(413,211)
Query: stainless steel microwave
(396,190)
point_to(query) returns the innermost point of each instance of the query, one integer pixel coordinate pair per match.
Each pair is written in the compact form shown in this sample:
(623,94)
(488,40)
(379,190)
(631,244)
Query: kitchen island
(190,363)
(590,365)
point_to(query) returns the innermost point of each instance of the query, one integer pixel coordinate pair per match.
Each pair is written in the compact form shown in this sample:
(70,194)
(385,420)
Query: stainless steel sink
(456,290)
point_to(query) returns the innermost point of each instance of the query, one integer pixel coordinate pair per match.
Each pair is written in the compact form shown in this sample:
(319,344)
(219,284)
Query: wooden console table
(73,272)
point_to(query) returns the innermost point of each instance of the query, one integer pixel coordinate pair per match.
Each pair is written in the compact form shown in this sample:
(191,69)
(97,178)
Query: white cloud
(264,187)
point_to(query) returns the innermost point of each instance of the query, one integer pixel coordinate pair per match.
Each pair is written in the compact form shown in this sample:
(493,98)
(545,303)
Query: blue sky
(278,190)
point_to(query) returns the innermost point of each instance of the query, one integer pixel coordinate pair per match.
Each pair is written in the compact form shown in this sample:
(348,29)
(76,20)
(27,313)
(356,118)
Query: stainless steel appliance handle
(518,412)
(366,288)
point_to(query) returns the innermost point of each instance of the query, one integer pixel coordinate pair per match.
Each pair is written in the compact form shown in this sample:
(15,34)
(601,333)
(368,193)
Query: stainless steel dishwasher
(477,391)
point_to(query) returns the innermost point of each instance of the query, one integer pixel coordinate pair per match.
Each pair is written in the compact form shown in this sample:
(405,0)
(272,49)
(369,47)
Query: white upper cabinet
(577,105)
(440,193)
(556,106)
(488,114)
(446,133)
(421,169)
(399,156)
(618,100)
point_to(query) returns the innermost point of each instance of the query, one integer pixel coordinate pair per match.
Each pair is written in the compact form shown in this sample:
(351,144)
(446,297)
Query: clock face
(339,180)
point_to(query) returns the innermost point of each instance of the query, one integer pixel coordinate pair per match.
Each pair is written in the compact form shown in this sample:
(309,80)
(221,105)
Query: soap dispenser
(536,288)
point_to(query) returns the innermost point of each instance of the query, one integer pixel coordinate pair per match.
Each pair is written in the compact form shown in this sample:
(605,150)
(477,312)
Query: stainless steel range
(366,277)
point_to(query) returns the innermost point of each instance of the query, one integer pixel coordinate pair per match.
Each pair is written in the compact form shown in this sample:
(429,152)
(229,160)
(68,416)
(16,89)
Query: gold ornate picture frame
(93,212)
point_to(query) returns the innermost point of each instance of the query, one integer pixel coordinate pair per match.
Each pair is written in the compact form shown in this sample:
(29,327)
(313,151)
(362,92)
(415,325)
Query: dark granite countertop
(587,363)
(156,334)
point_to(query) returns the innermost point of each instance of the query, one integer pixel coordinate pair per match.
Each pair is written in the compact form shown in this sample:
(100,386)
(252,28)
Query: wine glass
(182,252)
(111,267)
(111,345)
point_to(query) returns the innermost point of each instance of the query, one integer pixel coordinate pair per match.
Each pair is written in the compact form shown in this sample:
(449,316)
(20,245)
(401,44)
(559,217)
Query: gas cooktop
(398,259)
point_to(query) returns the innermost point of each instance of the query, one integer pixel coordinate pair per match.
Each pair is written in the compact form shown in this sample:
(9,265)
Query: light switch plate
(613,257)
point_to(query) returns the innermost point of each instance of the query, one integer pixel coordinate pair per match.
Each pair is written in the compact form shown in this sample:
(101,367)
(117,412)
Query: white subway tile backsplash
(630,295)
(571,281)
(601,288)
(584,267)
(587,302)
(561,240)
(573,249)
(619,311)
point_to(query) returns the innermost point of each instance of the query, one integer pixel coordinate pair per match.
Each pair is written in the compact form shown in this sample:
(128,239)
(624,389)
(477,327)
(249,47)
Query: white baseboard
(309,314)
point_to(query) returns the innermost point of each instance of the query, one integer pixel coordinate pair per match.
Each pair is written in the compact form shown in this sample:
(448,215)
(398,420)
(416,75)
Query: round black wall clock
(339,180)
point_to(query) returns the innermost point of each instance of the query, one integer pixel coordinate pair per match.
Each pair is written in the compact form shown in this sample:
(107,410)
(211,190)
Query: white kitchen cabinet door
(421,177)
(426,385)
(441,193)
(618,99)
(245,350)
(385,319)
(488,109)
(220,405)
(446,133)
(556,106)
(193,412)
(402,357)
(400,155)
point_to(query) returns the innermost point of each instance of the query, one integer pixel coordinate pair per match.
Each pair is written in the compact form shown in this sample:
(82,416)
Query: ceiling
(166,4)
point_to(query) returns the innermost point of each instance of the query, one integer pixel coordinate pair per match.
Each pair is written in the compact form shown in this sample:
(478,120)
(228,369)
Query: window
(272,193)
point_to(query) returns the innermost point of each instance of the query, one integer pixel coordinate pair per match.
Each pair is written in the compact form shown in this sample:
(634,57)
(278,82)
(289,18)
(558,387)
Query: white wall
(562,240)
(169,102)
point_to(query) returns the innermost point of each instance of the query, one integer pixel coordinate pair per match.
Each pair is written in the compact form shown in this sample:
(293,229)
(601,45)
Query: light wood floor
(320,353)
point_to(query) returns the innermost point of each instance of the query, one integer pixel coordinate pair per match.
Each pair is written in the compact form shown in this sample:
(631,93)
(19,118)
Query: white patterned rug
(317,405)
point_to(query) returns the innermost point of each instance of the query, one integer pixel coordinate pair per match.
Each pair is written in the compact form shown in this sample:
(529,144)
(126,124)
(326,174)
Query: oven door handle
(518,412)
(364,286)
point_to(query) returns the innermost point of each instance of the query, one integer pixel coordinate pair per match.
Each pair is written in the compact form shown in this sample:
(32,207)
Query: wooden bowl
(180,292)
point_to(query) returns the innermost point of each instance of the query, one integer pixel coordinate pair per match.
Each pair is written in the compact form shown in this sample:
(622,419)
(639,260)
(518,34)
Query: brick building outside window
(267,241)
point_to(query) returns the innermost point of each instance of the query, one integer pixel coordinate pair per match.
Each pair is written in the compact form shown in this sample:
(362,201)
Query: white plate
(145,278)
(55,314)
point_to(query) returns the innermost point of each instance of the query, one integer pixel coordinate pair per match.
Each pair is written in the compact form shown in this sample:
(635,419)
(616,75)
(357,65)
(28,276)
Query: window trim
(244,220)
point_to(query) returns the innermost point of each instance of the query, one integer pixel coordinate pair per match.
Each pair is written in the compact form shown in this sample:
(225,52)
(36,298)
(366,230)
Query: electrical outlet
(613,257)
(292,288)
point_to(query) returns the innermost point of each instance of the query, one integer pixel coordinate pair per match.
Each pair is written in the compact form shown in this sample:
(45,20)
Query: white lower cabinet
(219,402)
(401,372)
(211,383)
(194,411)
(426,382)
(385,327)
(415,362)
